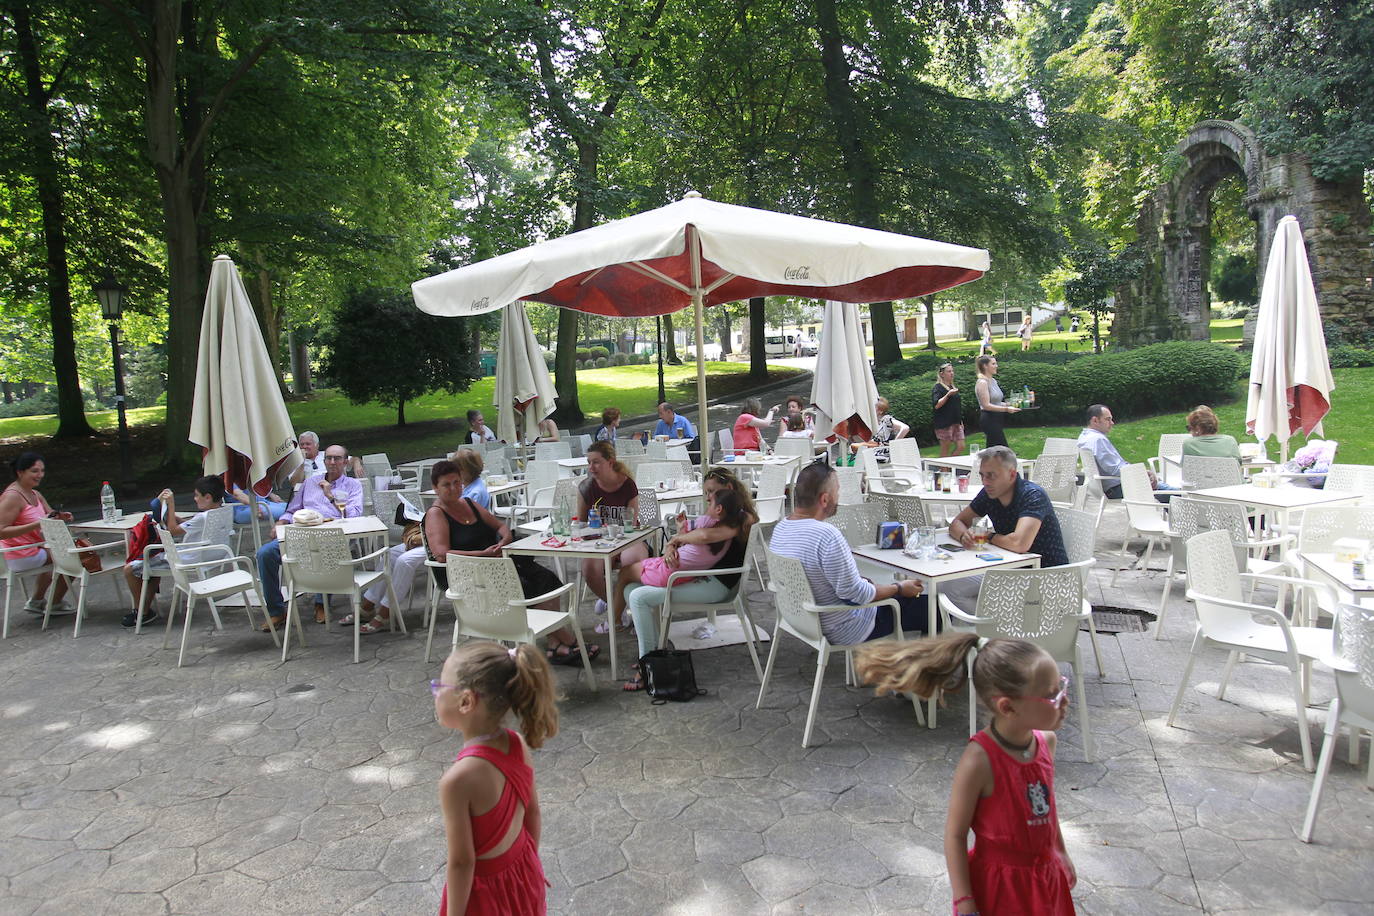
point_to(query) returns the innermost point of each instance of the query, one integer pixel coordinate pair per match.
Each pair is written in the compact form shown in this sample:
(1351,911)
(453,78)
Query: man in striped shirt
(805,535)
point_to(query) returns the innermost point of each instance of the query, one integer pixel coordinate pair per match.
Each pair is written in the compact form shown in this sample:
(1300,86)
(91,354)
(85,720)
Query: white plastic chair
(12,576)
(799,617)
(726,438)
(1080,545)
(1092,485)
(794,446)
(1353,704)
(1043,606)
(416,477)
(859,522)
(1201,471)
(656,450)
(377,465)
(218,532)
(1057,445)
(628,448)
(541,487)
(1354,478)
(1144,515)
(488,603)
(732,601)
(1189,517)
(66,563)
(650,473)
(909,510)
(851,485)
(1058,476)
(241,580)
(1227,622)
(904,453)
(580,444)
(552,451)
(1170,446)
(386,503)
(318,560)
(888,478)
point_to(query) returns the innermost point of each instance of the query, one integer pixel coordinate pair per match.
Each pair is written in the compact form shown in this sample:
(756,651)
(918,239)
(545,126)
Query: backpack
(669,675)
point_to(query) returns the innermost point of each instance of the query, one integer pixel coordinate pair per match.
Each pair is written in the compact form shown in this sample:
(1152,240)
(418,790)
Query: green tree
(380,347)
(1100,274)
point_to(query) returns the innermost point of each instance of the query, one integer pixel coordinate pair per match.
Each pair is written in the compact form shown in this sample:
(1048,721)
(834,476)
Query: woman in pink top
(21,506)
(747,427)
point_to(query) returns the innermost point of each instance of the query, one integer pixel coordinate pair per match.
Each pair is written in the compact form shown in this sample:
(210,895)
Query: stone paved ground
(239,785)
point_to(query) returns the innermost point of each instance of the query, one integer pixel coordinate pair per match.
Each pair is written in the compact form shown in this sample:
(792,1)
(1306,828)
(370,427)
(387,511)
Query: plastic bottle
(575,528)
(109,511)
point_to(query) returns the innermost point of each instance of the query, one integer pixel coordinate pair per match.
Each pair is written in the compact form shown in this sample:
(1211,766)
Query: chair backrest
(1135,487)
(884,478)
(1057,445)
(851,485)
(59,539)
(656,450)
(1037,605)
(1355,478)
(566,488)
(486,586)
(1357,648)
(386,501)
(540,479)
(859,523)
(910,511)
(317,560)
(169,552)
(726,438)
(219,525)
(1079,530)
(496,462)
(904,452)
(1171,444)
(794,446)
(580,444)
(366,485)
(1190,516)
(422,472)
(1322,526)
(1058,474)
(1213,574)
(791,593)
(770,508)
(649,513)
(1088,464)
(650,473)
(377,465)
(552,451)
(628,448)
(773,481)
(1202,471)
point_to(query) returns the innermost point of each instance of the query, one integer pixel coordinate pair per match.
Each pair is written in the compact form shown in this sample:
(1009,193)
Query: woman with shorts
(948,414)
(21,506)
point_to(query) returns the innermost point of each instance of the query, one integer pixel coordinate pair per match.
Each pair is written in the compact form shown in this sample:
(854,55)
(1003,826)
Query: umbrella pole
(703,430)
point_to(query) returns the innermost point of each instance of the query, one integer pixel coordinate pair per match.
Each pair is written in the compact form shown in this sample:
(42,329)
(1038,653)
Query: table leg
(612,615)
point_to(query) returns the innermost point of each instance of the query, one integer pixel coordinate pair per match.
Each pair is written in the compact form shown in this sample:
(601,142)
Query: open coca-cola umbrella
(700,252)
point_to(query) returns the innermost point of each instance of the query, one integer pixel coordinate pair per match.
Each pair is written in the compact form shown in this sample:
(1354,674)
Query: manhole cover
(300,688)
(1109,621)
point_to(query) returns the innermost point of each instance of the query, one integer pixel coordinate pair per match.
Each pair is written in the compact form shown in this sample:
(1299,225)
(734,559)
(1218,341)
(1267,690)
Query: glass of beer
(981,533)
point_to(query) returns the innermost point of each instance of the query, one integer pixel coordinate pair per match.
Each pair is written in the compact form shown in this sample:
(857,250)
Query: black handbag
(669,675)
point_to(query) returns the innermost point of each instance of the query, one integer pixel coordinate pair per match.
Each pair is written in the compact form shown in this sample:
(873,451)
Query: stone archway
(1170,300)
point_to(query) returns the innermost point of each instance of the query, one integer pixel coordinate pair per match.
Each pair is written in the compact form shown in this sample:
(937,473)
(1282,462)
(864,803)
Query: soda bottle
(109,511)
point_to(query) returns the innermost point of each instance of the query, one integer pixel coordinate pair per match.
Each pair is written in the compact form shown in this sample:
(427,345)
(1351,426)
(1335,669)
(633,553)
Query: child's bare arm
(972,781)
(454,801)
(1051,741)
(533,819)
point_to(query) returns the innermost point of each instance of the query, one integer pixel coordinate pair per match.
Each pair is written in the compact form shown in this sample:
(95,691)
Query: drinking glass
(927,535)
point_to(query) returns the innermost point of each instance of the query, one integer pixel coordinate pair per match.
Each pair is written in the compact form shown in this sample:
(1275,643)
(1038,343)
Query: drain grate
(1110,621)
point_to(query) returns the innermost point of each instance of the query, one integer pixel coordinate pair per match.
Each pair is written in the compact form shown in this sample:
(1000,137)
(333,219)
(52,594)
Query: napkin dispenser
(1348,550)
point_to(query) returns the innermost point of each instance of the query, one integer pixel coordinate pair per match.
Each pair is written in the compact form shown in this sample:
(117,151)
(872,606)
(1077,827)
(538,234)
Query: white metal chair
(859,522)
(1356,478)
(541,488)
(1144,515)
(1170,446)
(851,485)
(1189,517)
(1043,606)
(488,603)
(1227,622)
(318,560)
(1058,476)
(66,563)
(799,616)
(1353,704)
(1057,445)
(552,451)
(733,600)
(1201,471)
(416,477)
(1080,545)
(240,580)
(1092,487)
(13,576)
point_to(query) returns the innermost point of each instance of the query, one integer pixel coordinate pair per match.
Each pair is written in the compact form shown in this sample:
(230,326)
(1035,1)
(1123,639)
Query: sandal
(320,616)
(570,654)
(277,622)
(375,625)
(635,683)
(346,620)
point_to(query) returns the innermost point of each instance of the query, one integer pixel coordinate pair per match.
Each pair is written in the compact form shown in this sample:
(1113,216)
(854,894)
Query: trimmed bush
(924,362)
(602,362)
(583,353)
(600,353)
(1344,357)
(620,359)
(1168,376)
(549,358)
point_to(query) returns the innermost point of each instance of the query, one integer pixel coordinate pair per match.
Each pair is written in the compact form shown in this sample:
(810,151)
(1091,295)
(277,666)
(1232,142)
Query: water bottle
(108,510)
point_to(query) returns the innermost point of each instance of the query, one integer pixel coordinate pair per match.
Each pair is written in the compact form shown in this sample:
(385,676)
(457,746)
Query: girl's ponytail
(532,696)
(920,666)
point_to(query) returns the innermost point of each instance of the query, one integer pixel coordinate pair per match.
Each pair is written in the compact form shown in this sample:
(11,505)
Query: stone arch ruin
(1170,300)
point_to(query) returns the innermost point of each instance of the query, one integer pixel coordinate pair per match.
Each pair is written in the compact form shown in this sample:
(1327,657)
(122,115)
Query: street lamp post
(111,292)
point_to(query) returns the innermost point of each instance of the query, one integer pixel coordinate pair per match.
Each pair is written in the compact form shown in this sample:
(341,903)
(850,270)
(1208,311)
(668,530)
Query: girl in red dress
(491,808)
(1004,785)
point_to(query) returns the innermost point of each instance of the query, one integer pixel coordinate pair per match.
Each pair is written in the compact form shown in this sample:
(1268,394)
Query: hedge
(924,362)
(1168,376)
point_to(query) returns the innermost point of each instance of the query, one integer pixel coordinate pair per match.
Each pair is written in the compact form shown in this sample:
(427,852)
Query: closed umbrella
(238,418)
(522,376)
(1290,375)
(843,389)
(700,252)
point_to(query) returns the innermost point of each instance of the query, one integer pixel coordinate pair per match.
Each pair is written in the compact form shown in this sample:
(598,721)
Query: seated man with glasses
(806,535)
(324,493)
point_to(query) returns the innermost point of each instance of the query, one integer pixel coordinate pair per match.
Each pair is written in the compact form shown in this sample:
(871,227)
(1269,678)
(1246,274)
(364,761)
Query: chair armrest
(952,609)
(103,545)
(200,564)
(547,596)
(150,550)
(1294,581)
(1282,539)
(700,573)
(23,546)
(370,556)
(1270,614)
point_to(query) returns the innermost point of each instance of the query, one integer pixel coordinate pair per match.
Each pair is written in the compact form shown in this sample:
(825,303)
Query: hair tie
(511,651)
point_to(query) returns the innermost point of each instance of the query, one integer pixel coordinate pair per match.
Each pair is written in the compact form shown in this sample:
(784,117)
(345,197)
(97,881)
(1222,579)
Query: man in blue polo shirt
(673,424)
(1022,516)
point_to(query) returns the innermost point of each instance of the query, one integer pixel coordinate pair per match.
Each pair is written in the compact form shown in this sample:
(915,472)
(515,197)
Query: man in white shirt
(310,451)
(1108,459)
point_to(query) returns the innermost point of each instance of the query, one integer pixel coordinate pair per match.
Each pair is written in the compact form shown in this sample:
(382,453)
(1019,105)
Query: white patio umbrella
(843,386)
(522,377)
(238,417)
(699,252)
(1290,375)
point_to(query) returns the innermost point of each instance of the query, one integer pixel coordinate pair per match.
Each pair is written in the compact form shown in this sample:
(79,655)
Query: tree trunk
(9,392)
(71,416)
(929,303)
(858,164)
(725,348)
(401,412)
(300,358)
(669,343)
(758,358)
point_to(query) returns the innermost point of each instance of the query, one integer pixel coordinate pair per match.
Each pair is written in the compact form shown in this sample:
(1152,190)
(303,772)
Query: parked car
(808,346)
(777,346)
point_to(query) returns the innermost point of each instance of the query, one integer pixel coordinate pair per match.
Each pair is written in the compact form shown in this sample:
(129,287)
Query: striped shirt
(834,577)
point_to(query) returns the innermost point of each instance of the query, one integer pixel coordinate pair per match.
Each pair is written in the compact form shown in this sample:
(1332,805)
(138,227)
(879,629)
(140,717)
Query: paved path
(238,785)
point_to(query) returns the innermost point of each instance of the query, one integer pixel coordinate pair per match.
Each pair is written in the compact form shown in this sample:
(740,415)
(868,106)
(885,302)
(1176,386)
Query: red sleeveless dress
(511,884)
(1015,866)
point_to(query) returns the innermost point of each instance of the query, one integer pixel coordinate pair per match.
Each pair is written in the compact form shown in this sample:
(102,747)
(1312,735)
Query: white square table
(960,565)
(1338,574)
(969,463)
(600,548)
(1278,500)
(571,467)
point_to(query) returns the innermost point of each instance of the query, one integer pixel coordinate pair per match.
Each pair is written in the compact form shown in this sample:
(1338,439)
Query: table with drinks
(1279,501)
(931,556)
(607,533)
